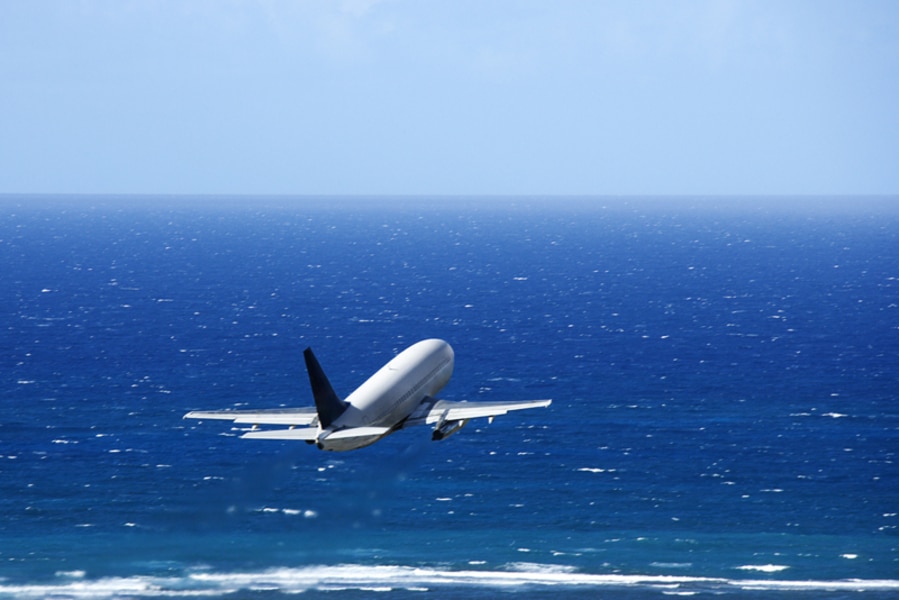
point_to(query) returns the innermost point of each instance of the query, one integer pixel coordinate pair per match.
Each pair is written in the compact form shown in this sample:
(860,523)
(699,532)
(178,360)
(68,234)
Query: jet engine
(447,428)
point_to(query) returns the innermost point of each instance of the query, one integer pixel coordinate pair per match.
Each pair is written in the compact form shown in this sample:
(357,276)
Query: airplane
(401,394)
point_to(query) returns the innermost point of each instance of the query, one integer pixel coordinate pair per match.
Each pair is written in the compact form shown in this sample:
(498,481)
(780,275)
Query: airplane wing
(273,416)
(448,417)
(457,411)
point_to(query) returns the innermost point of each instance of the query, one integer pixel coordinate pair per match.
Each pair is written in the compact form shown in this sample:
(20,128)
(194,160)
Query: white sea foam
(200,583)
(71,574)
(671,565)
(595,470)
(529,567)
(764,568)
(855,585)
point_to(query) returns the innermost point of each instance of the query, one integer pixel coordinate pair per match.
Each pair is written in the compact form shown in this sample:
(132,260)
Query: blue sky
(449,97)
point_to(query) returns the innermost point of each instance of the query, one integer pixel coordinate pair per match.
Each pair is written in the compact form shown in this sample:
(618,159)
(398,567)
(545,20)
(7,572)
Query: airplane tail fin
(328,405)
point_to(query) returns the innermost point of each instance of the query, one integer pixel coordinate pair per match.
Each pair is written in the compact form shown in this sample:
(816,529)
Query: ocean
(724,375)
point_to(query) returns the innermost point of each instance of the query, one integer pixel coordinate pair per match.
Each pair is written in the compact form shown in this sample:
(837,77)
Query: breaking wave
(208,583)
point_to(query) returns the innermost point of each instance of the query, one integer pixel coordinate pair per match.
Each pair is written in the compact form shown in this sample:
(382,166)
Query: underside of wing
(444,410)
(274,416)
(433,411)
(449,417)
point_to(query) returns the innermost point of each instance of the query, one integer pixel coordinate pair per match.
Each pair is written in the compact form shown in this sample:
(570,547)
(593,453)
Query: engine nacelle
(447,428)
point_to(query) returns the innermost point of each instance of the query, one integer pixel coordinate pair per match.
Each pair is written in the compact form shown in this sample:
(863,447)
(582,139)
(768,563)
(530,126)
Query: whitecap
(854,585)
(529,567)
(71,574)
(763,568)
(204,582)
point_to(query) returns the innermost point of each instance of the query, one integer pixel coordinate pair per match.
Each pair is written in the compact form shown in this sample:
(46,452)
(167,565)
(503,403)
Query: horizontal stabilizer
(311,434)
(353,432)
(308,434)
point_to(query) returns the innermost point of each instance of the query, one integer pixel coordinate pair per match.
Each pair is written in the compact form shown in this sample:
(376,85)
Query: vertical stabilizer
(327,403)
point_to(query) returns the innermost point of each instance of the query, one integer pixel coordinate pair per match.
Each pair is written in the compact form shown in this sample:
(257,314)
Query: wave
(208,583)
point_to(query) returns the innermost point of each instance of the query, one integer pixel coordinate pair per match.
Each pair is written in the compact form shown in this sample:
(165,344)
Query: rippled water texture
(724,378)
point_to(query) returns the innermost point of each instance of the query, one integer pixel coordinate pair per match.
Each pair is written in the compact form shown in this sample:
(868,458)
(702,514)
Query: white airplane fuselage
(401,394)
(389,396)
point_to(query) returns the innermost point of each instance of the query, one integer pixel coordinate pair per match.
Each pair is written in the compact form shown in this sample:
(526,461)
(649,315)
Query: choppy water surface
(724,381)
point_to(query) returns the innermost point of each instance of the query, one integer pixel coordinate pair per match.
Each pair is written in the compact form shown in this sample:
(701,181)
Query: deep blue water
(725,377)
